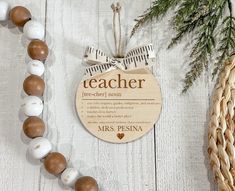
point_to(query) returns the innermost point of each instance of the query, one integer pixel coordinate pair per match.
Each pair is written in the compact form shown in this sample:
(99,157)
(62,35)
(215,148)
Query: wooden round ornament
(119,106)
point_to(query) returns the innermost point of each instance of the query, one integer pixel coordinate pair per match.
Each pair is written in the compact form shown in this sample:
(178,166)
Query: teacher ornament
(40,148)
(119,99)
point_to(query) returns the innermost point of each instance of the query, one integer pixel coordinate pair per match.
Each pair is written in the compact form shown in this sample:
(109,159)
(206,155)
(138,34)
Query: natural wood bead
(20,15)
(55,163)
(38,50)
(86,183)
(34,127)
(34,85)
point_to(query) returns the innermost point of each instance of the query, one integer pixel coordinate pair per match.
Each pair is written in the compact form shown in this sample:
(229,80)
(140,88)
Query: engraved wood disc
(119,106)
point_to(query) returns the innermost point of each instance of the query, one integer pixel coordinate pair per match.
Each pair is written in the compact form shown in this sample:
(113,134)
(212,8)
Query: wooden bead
(34,127)
(55,163)
(34,30)
(69,176)
(86,183)
(39,147)
(20,15)
(34,85)
(38,50)
(36,67)
(32,106)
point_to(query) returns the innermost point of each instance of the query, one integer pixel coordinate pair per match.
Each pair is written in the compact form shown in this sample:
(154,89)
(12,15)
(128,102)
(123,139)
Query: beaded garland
(34,127)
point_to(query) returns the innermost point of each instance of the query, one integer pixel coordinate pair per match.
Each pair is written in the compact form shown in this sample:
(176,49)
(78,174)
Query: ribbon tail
(140,57)
(95,56)
(97,69)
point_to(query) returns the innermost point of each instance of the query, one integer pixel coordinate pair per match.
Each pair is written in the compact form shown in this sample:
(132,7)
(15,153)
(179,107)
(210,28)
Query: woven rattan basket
(221,142)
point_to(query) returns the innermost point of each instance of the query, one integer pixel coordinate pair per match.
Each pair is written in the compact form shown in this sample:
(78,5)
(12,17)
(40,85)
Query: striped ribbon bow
(141,57)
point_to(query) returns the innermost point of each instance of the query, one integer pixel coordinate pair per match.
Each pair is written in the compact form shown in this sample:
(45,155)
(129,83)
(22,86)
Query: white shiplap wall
(171,157)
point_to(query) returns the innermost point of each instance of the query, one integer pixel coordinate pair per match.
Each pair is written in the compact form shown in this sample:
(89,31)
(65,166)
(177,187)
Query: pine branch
(186,21)
(158,9)
(227,43)
(184,10)
(193,74)
(201,18)
(205,42)
(199,62)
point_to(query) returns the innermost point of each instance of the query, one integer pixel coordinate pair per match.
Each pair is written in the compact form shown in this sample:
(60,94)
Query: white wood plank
(17,172)
(181,134)
(72,25)
(117,167)
(135,161)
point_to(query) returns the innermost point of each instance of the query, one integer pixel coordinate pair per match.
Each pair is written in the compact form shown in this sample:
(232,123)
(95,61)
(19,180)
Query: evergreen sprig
(159,8)
(227,43)
(204,45)
(202,19)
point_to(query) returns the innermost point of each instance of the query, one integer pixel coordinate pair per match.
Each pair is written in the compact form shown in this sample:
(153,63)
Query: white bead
(4,10)
(39,147)
(69,176)
(36,67)
(32,106)
(34,30)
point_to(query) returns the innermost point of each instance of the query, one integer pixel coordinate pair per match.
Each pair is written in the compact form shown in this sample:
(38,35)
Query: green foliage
(158,9)
(202,19)
(227,43)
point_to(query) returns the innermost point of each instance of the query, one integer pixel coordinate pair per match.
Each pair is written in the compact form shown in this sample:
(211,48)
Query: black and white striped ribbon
(140,57)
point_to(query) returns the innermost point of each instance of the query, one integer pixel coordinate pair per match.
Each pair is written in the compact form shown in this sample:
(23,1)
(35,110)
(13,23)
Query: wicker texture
(221,147)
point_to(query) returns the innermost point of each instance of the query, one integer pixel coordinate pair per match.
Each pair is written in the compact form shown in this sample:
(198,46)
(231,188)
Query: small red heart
(120,135)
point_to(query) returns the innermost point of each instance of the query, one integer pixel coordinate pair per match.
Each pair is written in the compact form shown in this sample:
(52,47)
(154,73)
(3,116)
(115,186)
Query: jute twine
(221,133)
